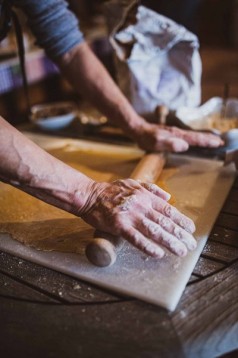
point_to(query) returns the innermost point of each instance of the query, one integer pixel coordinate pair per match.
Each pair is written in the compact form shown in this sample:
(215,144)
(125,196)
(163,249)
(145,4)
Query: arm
(91,80)
(56,30)
(138,212)
(26,166)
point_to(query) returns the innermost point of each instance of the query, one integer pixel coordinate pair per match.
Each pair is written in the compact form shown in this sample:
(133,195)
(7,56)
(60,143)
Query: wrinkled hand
(152,137)
(140,213)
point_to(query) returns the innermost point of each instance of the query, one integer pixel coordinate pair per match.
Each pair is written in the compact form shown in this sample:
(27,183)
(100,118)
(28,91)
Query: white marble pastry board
(200,187)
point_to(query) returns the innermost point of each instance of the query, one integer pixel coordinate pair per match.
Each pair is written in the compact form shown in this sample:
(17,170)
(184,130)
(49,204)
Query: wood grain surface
(49,314)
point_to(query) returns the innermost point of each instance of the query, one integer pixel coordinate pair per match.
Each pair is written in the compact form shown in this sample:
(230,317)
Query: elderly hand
(140,213)
(152,137)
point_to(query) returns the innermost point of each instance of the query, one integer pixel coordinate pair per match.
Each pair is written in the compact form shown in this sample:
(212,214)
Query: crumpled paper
(157,60)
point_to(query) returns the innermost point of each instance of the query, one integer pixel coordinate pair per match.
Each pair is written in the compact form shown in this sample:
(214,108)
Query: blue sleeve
(55,27)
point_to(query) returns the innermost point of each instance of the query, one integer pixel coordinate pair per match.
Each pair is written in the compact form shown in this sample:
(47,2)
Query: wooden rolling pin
(161,113)
(102,251)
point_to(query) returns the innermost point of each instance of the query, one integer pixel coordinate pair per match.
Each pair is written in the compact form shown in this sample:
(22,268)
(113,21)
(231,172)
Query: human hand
(152,137)
(140,213)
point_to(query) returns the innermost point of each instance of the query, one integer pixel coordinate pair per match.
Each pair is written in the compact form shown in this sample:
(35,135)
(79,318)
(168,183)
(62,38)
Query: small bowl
(214,115)
(53,116)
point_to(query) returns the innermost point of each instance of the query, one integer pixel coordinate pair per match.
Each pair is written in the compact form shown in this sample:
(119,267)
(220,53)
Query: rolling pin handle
(101,252)
(103,248)
(161,113)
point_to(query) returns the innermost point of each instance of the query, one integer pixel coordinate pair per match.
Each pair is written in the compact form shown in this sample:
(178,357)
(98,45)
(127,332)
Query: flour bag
(157,60)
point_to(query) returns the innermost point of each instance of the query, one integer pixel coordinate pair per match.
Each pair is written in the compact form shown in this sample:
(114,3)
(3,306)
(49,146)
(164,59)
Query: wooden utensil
(161,113)
(102,251)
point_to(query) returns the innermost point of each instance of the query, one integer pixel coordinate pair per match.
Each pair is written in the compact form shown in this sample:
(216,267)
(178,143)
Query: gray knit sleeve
(55,27)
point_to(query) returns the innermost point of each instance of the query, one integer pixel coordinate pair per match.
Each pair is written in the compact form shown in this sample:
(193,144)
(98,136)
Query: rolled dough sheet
(44,227)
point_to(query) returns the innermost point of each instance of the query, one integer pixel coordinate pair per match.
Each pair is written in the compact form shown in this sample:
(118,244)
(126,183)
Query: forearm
(26,166)
(136,211)
(91,80)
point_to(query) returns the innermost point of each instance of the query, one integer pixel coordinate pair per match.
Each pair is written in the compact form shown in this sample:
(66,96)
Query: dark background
(214,21)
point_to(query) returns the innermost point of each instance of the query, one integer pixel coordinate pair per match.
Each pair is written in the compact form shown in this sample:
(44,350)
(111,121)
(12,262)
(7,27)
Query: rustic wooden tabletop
(44,313)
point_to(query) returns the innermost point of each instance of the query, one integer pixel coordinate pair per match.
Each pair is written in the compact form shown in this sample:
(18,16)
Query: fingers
(174,139)
(198,138)
(138,240)
(203,140)
(137,184)
(155,189)
(157,233)
(172,213)
(171,144)
(150,234)
(173,229)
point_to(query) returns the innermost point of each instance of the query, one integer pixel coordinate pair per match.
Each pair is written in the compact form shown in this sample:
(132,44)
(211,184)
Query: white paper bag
(157,60)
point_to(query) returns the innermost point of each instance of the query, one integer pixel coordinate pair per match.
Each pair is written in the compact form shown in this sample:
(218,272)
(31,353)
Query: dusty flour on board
(45,227)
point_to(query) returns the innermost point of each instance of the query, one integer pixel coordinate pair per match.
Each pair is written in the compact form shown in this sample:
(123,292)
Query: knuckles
(168,210)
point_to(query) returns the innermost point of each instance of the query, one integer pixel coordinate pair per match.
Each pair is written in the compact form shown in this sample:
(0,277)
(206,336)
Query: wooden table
(44,313)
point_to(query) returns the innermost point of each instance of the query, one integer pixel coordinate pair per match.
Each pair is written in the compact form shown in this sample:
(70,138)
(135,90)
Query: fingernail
(157,252)
(182,252)
(188,225)
(192,245)
(180,249)
(191,227)
(167,195)
(181,146)
(215,142)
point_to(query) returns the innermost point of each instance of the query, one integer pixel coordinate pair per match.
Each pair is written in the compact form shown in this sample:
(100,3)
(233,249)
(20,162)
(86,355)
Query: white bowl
(53,116)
